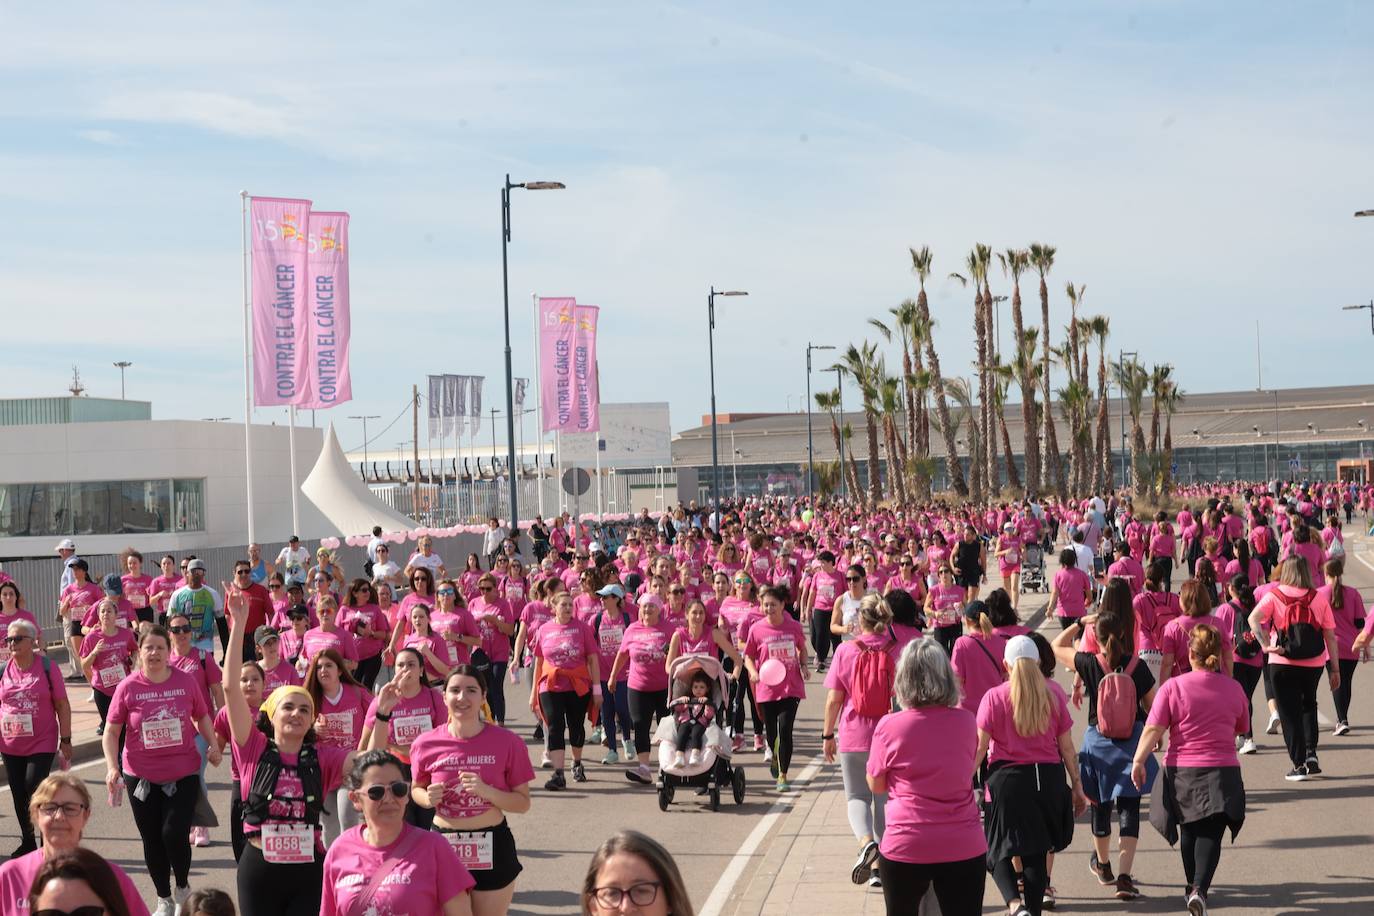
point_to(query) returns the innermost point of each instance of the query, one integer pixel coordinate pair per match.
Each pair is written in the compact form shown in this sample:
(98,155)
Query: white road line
(80,766)
(720,894)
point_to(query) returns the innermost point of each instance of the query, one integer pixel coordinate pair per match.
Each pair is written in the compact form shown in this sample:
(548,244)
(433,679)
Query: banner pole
(295,487)
(247,374)
(444,408)
(538,406)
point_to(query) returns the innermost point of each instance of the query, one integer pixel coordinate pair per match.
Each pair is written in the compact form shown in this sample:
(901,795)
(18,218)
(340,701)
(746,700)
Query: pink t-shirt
(28,714)
(436,645)
(785,642)
(202,668)
(995,718)
(498,756)
(1204,711)
(136,590)
(827,586)
(160,725)
(81,598)
(112,662)
(1071,584)
(495,643)
(977,660)
(739,615)
(371,616)
(945,603)
(282,675)
(645,649)
(430,875)
(1178,630)
(1129,568)
(168,584)
(854,732)
(124,616)
(339,722)
(1273,618)
(16,878)
(341,641)
(1352,610)
(931,813)
(457,624)
(411,718)
(287,804)
(609,637)
(567,646)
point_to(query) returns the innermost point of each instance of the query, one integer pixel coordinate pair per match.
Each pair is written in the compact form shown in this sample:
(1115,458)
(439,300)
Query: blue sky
(1197,167)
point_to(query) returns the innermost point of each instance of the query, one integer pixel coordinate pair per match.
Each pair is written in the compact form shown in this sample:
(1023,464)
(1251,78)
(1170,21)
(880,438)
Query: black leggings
(958,885)
(102,705)
(947,636)
(165,825)
(1249,677)
(565,711)
(690,736)
(1035,877)
(367,671)
(24,775)
(644,706)
(741,692)
(496,691)
(779,716)
(1200,845)
(236,838)
(1128,813)
(1342,694)
(1168,564)
(1295,692)
(822,640)
(268,889)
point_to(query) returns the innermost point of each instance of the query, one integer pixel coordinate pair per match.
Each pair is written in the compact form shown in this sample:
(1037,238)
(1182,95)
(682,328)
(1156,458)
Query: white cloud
(102,137)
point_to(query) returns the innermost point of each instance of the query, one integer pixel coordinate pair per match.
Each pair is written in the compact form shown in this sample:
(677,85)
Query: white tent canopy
(343,499)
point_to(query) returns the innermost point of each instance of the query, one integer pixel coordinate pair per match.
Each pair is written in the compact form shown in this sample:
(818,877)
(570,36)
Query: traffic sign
(576,481)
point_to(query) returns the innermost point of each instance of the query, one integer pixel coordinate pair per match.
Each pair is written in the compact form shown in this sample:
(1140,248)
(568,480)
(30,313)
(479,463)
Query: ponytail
(1030,699)
(1335,569)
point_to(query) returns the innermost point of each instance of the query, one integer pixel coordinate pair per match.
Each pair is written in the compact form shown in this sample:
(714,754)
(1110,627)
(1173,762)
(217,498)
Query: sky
(1197,167)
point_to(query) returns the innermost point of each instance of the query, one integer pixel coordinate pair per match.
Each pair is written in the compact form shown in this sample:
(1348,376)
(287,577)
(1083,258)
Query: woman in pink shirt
(1295,625)
(35,722)
(565,688)
(161,588)
(1024,732)
(1347,607)
(977,656)
(341,704)
(777,637)
(1197,609)
(1308,546)
(943,605)
(920,758)
(1070,590)
(1164,549)
(855,726)
(1008,553)
(643,651)
(1201,793)
(495,625)
(137,586)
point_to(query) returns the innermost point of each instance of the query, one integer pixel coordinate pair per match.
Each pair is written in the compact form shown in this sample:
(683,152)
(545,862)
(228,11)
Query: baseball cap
(264,634)
(112,584)
(294,539)
(596,547)
(65,544)
(1021,647)
(611,589)
(196,564)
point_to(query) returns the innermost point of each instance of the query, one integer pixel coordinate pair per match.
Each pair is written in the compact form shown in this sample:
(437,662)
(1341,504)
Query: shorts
(505,863)
(74,629)
(968,579)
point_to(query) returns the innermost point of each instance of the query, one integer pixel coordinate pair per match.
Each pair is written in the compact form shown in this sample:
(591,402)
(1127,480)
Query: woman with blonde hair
(1033,782)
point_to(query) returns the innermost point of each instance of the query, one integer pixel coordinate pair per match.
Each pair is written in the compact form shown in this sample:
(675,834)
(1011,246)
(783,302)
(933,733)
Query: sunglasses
(485,588)
(243,572)
(79,911)
(12,640)
(378,792)
(677,591)
(853,578)
(179,629)
(446,591)
(288,617)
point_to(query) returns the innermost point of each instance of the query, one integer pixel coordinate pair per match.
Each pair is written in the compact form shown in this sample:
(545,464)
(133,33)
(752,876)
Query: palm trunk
(1102,473)
(909,397)
(1013,478)
(875,480)
(894,464)
(1138,483)
(978,419)
(956,470)
(1031,445)
(1166,472)
(989,411)
(852,469)
(1053,478)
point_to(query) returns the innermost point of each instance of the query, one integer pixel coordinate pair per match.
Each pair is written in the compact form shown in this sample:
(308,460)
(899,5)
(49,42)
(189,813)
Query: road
(1305,847)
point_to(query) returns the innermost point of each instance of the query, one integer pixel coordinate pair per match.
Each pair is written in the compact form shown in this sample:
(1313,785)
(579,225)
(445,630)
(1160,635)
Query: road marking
(720,894)
(80,766)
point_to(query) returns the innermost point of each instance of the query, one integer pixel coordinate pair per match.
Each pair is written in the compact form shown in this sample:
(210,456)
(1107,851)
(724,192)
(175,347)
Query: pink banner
(328,382)
(281,303)
(557,329)
(587,385)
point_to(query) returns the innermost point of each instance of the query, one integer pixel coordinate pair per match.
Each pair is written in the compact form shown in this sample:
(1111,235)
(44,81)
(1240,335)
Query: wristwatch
(829,737)
(382,716)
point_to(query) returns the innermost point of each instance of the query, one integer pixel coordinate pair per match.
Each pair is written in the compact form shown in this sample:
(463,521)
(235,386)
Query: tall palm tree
(985,381)
(1133,380)
(904,318)
(1160,379)
(920,266)
(862,363)
(920,382)
(829,401)
(1015,262)
(1073,399)
(1002,376)
(977,468)
(1042,259)
(1173,397)
(851,467)
(1099,326)
(827,477)
(1077,371)
(890,402)
(966,417)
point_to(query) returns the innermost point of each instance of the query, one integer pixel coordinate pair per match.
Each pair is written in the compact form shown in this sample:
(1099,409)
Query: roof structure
(343,498)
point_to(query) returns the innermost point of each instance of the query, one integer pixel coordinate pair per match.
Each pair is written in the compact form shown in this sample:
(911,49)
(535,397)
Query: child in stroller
(693,714)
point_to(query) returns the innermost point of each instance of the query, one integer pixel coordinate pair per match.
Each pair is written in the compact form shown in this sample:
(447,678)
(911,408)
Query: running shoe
(1102,871)
(767,754)
(629,745)
(179,895)
(1311,766)
(758,742)
(1342,728)
(863,866)
(1125,887)
(579,772)
(1297,774)
(640,774)
(773,768)
(1022,911)
(784,785)
(611,758)
(165,907)
(1273,727)
(1197,904)
(544,762)
(1248,746)
(557,782)
(874,880)
(737,744)
(596,736)
(1051,899)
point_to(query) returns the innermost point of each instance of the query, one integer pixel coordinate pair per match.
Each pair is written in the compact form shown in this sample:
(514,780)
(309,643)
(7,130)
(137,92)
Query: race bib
(406,729)
(476,850)
(17,725)
(335,725)
(138,599)
(784,650)
(111,675)
(160,733)
(610,637)
(288,844)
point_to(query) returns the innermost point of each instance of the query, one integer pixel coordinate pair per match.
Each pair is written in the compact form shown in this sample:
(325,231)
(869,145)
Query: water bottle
(116,795)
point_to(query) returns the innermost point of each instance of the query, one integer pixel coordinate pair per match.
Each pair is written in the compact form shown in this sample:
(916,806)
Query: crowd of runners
(362,713)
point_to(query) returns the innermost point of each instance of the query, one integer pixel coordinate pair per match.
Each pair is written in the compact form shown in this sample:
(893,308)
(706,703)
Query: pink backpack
(870,688)
(1117,700)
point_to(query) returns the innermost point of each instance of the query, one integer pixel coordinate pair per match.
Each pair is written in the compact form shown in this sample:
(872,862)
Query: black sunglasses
(853,578)
(179,629)
(79,911)
(11,640)
(289,617)
(378,792)
(485,588)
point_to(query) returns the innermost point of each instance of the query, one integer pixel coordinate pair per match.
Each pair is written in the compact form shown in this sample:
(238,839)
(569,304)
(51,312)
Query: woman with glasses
(430,879)
(586,604)
(285,777)
(107,657)
(293,637)
(163,710)
(61,807)
(421,591)
(322,586)
(908,579)
(942,608)
(37,720)
(630,868)
(76,883)
(472,774)
(200,665)
(276,587)
(365,622)
(452,621)
(844,613)
(495,625)
(341,704)
(327,564)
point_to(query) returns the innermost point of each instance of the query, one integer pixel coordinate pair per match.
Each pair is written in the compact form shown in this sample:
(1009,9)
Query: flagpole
(443,409)
(295,488)
(538,406)
(596,446)
(247,374)
(558,470)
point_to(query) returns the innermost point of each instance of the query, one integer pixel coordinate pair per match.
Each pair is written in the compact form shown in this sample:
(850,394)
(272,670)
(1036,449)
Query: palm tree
(962,395)
(862,363)
(851,467)
(1073,399)
(1132,378)
(904,316)
(1042,259)
(829,401)
(1076,365)
(1159,384)
(1099,326)
(1002,377)
(920,382)
(985,381)
(1173,397)
(1015,262)
(977,469)
(920,266)
(828,477)
(890,402)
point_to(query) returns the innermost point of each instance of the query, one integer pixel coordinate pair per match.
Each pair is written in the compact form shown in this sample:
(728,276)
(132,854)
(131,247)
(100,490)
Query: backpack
(264,785)
(1117,700)
(870,687)
(1299,635)
(1246,646)
(1336,550)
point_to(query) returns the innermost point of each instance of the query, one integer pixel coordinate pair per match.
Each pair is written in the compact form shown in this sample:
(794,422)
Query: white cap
(65,544)
(595,547)
(1021,647)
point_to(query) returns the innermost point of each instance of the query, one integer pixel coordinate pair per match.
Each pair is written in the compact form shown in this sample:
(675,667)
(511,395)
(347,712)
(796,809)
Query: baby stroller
(713,771)
(1033,569)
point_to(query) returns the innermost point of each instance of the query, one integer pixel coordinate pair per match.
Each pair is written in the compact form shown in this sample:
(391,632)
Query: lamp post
(121,366)
(810,450)
(365,418)
(1120,377)
(839,390)
(505,301)
(711,359)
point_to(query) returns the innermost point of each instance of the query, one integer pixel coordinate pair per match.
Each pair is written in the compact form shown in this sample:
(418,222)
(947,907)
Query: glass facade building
(102,507)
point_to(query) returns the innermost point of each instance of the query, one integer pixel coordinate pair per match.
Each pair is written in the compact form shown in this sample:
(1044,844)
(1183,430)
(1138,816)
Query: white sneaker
(165,907)
(1248,747)
(596,736)
(767,754)
(694,757)
(679,759)
(1341,729)
(179,895)
(1273,727)
(544,762)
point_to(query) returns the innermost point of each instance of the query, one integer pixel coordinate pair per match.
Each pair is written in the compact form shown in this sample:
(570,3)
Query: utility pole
(121,366)
(415,450)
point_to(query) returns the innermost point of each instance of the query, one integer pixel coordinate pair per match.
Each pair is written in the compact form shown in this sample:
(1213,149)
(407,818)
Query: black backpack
(1246,644)
(264,787)
(1300,636)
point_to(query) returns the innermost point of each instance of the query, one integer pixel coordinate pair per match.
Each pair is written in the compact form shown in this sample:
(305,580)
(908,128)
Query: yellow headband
(277,696)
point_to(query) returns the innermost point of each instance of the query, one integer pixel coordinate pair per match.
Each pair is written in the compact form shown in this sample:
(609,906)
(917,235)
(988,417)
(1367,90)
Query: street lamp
(711,351)
(810,449)
(505,301)
(121,366)
(371,416)
(1364,212)
(839,390)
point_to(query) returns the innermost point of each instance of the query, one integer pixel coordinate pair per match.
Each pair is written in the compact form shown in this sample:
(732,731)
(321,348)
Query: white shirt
(387,572)
(372,546)
(293,564)
(431,562)
(68,577)
(492,538)
(1085,555)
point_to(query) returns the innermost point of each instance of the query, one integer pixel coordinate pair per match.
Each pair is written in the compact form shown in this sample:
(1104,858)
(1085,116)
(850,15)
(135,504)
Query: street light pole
(121,366)
(371,416)
(505,301)
(810,448)
(711,359)
(839,390)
